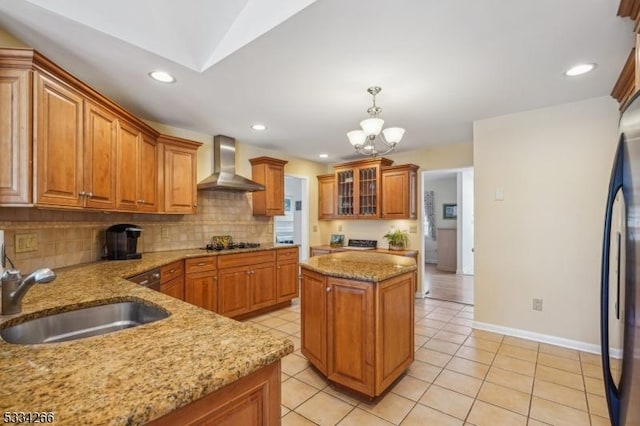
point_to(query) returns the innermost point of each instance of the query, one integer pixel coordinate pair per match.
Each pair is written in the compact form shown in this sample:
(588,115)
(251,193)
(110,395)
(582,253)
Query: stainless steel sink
(83,322)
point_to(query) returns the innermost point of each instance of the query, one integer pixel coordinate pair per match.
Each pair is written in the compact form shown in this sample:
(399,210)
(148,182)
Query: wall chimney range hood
(224,177)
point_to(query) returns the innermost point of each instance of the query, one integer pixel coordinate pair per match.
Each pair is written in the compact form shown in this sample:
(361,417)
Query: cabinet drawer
(171,271)
(245,259)
(200,264)
(287,254)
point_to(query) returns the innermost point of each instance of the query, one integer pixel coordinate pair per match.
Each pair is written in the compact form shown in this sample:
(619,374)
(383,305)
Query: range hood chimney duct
(224,177)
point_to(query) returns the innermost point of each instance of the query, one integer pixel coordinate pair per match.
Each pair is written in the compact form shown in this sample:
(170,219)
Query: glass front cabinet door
(358,188)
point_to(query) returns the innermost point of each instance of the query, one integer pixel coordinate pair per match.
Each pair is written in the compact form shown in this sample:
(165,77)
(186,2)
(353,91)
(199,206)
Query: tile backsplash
(70,237)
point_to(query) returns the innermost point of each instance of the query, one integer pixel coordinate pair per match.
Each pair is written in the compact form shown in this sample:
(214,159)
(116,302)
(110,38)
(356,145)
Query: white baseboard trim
(545,338)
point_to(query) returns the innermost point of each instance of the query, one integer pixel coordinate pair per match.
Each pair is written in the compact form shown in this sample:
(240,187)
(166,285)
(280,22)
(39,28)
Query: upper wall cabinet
(179,174)
(628,81)
(15,136)
(68,146)
(327,196)
(368,189)
(59,143)
(270,173)
(400,192)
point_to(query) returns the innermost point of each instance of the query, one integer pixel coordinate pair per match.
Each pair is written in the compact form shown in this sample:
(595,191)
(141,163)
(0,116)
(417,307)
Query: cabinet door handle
(90,194)
(202,263)
(82,193)
(328,289)
(171,271)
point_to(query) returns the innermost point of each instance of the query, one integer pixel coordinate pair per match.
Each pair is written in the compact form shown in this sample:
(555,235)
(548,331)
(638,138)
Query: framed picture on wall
(449,211)
(288,207)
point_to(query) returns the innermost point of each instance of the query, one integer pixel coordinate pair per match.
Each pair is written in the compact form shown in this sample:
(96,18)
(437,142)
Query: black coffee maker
(122,240)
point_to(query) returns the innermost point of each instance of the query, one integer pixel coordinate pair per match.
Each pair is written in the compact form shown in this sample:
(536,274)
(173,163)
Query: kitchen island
(136,375)
(358,318)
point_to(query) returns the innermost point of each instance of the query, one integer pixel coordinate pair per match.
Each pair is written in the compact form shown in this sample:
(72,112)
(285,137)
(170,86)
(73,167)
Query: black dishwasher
(149,279)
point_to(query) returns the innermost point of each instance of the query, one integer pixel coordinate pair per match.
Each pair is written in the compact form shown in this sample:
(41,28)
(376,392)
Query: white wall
(544,239)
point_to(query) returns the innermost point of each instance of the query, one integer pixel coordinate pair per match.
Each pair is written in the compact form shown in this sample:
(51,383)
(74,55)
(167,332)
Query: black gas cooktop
(230,246)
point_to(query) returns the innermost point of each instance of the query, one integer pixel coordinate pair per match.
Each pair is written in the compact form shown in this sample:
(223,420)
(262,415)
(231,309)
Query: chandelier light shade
(364,141)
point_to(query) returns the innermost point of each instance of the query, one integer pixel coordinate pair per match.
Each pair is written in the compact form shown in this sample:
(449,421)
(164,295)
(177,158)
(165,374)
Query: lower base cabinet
(358,334)
(172,279)
(252,400)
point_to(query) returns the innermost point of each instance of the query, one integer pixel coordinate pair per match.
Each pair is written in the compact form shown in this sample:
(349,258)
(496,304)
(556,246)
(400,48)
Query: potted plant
(398,239)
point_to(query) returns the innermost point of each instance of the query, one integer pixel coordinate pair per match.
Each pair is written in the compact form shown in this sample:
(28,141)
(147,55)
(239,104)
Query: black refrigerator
(620,298)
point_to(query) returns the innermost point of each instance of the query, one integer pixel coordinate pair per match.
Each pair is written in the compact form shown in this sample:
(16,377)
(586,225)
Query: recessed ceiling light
(162,76)
(259,127)
(324,155)
(579,69)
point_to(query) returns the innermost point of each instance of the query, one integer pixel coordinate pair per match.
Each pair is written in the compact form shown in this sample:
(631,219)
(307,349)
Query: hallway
(447,285)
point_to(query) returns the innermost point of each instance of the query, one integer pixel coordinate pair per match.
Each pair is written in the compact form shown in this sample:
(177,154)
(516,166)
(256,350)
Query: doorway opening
(448,230)
(293,227)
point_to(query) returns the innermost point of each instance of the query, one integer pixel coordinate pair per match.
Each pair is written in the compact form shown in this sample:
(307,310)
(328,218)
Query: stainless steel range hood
(224,177)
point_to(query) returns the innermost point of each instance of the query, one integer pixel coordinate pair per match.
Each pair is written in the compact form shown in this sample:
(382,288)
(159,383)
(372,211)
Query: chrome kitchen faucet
(14,287)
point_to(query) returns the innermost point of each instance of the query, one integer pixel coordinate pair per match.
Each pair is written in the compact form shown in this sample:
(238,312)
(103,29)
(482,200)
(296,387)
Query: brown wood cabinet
(15,136)
(137,170)
(358,334)
(358,188)
(246,282)
(628,81)
(59,143)
(399,191)
(179,171)
(287,282)
(172,281)
(201,287)
(270,173)
(369,189)
(67,146)
(100,147)
(253,400)
(327,196)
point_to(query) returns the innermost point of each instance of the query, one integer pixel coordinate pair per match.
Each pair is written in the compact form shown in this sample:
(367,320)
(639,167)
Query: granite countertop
(134,375)
(361,265)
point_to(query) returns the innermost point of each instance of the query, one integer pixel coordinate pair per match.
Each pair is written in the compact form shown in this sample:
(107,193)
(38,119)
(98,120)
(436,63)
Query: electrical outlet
(315,228)
(537,304)
(164,233)
(339,228)
(26,242)
(413,229)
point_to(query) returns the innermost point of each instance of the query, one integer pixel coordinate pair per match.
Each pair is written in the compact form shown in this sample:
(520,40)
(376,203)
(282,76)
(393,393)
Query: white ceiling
(302,67)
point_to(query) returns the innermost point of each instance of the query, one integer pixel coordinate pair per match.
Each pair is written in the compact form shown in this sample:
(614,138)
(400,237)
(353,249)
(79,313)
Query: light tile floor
(460,376)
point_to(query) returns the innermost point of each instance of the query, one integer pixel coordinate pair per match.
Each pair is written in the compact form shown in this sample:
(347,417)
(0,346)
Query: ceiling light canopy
(324,155)
(364,141)
(162,76)
(259,127)
(579,69)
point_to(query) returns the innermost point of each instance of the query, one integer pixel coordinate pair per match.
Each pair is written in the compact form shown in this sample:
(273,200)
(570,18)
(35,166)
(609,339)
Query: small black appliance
(122,241)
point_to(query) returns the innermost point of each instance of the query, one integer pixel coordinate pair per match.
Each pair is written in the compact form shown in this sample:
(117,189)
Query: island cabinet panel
(253,400)
(313,313)
(58,143)
(358,334)
(394,329)
(15,136)
(287,273)
(201,286)
(351,334)
(100,145)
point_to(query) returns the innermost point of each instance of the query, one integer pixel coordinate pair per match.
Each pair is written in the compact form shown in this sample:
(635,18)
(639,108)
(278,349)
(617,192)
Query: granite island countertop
(360,265)
(134,375)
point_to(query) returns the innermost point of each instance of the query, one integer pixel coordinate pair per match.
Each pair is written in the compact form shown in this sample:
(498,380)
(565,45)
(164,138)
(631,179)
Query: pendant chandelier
(364,141)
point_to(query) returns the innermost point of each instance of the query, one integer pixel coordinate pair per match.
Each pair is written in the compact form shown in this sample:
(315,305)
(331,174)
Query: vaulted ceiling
(302,67)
